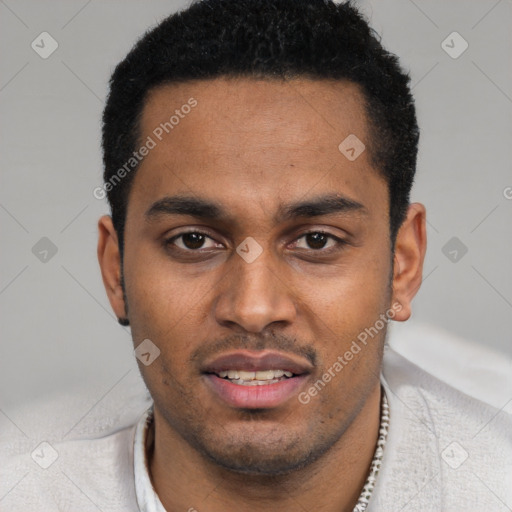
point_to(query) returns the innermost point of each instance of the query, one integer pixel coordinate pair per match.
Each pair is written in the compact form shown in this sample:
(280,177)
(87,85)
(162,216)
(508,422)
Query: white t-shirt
(445,452)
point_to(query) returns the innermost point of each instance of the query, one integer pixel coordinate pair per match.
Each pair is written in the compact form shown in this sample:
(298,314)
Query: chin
(251,461)
(263,454)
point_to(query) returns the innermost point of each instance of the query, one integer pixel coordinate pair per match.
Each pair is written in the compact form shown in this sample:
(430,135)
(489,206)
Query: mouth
(256,380)
(259,378)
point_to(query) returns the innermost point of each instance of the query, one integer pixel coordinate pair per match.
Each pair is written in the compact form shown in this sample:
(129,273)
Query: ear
(410,247)
(110,263)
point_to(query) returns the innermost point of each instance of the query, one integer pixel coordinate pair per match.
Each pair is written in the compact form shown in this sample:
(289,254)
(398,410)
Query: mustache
(272,341)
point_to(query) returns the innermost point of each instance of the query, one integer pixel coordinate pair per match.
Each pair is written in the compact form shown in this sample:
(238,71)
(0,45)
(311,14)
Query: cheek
(159,292)
(346,316)
(167,306)
(352,294)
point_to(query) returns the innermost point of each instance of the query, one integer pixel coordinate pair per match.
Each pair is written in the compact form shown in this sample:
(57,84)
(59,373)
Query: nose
(255,295)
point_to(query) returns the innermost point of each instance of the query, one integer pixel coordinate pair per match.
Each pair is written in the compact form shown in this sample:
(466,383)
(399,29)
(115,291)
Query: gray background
(59,335)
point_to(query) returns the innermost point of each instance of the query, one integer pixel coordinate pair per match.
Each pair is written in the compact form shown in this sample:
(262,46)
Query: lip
(252,361)
(256,397)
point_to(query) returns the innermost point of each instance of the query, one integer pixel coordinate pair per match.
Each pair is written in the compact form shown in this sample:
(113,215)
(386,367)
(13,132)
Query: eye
(318,240)
(191,241)
(195,241)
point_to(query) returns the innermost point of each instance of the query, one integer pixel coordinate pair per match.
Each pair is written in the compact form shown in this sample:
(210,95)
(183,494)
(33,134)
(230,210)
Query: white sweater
(445,452)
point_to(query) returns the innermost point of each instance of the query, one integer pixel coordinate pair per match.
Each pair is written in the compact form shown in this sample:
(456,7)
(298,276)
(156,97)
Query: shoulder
(446,449)
(81,474)
(445,407)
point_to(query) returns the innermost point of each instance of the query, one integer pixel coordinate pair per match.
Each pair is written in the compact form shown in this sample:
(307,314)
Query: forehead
(247,138)
(315,113)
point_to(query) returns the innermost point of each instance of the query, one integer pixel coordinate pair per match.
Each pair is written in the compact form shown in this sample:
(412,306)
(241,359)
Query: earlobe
(110,263)
(410,248)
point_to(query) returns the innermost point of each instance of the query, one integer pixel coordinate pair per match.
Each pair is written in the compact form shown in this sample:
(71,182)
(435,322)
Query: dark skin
(253,147)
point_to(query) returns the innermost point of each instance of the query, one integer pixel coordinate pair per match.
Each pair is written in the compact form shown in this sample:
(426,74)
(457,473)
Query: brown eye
(317,240)
(191,241)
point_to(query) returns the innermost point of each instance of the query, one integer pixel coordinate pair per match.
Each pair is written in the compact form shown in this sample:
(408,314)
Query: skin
(253,146)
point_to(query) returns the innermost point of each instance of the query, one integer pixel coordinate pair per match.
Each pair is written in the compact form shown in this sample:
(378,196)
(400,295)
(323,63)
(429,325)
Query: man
(258,161)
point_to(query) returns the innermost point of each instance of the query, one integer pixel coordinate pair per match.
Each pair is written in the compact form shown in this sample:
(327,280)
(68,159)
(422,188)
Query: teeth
(255,382)
(246,375)
(254,378)
(268,374)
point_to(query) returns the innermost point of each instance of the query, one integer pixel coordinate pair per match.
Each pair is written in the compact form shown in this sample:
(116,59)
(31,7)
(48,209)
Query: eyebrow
(206,209)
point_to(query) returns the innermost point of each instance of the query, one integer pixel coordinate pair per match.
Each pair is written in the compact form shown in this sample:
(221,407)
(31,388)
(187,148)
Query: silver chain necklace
(366,493)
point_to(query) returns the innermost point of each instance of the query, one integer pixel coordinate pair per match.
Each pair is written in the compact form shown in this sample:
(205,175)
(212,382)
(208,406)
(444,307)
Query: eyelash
(339,242)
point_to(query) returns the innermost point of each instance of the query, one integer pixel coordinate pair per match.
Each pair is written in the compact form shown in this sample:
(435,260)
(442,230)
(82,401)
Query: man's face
(254,148)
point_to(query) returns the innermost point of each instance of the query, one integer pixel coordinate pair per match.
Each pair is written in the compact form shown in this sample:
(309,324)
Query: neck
(186,480)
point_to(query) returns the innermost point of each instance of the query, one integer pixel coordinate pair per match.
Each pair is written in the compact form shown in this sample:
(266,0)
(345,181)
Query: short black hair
(274,39)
